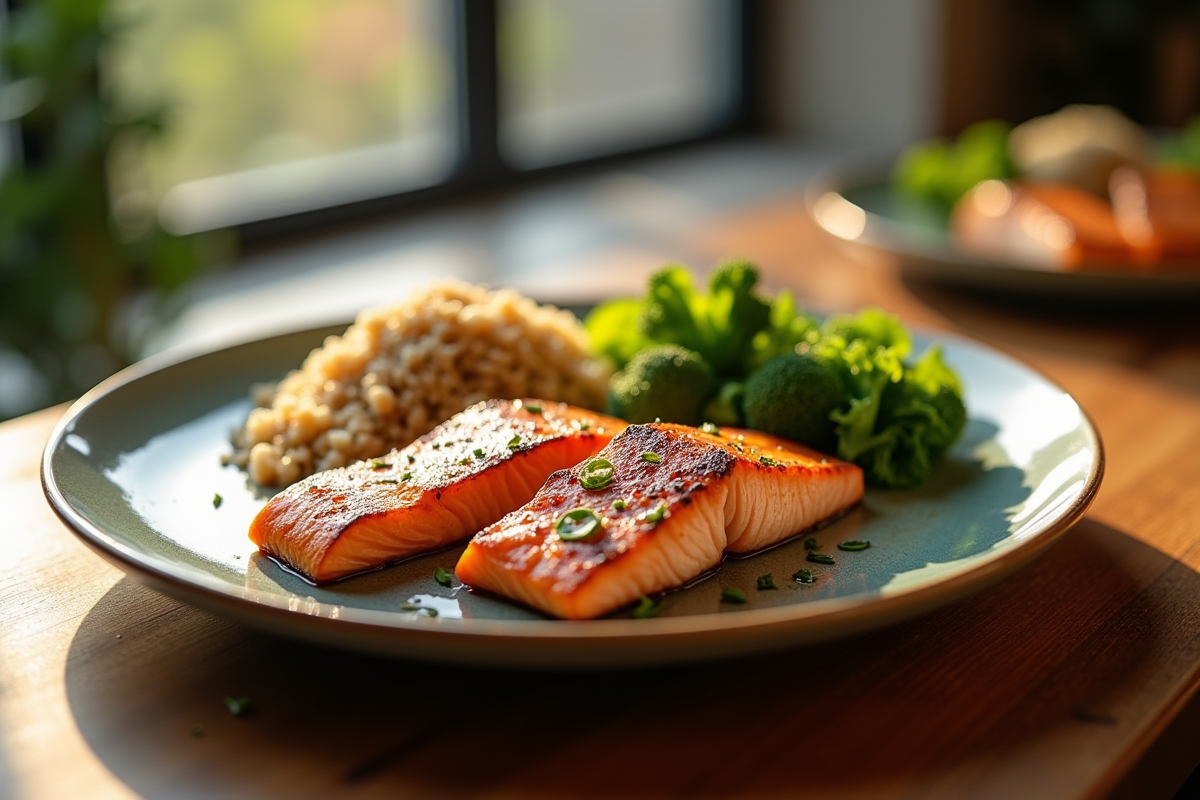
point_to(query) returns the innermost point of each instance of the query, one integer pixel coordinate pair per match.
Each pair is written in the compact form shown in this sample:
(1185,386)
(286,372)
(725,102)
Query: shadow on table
(1028,665)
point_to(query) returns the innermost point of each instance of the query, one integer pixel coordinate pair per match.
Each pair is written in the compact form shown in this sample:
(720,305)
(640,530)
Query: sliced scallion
(596,474)
(576,524)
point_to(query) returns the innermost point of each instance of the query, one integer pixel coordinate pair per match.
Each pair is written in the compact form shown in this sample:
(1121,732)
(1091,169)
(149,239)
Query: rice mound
(401,369)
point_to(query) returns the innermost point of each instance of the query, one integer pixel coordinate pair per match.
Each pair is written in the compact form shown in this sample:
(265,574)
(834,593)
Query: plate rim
(760,629)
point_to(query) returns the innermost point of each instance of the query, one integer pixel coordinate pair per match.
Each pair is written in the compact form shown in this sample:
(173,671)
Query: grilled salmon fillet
(683,498)
(463,475)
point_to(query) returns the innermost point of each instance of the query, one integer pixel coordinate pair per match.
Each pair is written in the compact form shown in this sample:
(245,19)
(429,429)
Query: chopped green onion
(811,543)
(429,612)
(803,576)
(584,424)
(765,582)
(732,595)
(379,465)
(387,480)
(442,576)
(217,500)
(406,476)
(710,429)
(237,706)
(411,458)
(464,461)
(436,445)
(853,546)
(533,409)
(577,524)
(820,558)
(596,474)
(619,505)
(770,462)
(651,457)
(656,514)
(647,608)
(478,452)
(514,442)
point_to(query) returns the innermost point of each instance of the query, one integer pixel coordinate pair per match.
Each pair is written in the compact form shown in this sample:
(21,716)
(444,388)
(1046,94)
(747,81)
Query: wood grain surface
(1075,678)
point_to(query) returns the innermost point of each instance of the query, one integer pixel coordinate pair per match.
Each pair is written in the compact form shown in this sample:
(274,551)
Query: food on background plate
(659,506)
(455,480)
(892,417)
(1081,188)
(401,369)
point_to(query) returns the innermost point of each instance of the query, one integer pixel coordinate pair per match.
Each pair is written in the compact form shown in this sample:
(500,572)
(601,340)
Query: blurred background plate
(857,205)
(134,466)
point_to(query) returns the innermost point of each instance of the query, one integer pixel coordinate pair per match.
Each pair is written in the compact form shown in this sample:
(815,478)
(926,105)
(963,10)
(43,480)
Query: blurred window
(282,106)
(589,77)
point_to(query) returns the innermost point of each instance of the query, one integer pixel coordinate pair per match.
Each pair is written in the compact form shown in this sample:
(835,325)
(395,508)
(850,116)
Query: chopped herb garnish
(379,465)
(765,582)
(464,461)
(596,474)
(647,608)
(820,558)
(436,445)
(429,612)
(217,500)
(853,546)
(656,514)
(653,458)
(387,480)
(406,476)
(533,409)
(514,442)
(711,429)
(811,543)
(731,595)
(238,706)
(619,505)
(584,424)
(577,524)
(442,576)
(411,458)
(477,452)
(770,462)
(803,576)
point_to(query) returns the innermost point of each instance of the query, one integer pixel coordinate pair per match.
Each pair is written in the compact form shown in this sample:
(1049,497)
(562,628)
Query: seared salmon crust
(463,475)
(678,500)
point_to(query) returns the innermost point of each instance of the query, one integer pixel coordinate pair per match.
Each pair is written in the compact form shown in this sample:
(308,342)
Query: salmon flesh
(678,500)
(460,477)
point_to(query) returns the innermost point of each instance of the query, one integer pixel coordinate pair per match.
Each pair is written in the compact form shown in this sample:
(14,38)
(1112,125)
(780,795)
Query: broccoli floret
(792,396)
(664,382)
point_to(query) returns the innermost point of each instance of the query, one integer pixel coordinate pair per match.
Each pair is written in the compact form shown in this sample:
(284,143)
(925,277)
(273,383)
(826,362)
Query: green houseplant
(68,270)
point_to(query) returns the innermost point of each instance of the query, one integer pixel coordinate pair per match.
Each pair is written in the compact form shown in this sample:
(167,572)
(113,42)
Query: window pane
(282,106)
(582,78)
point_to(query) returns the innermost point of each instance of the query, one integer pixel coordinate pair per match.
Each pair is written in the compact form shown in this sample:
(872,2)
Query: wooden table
(1073,679)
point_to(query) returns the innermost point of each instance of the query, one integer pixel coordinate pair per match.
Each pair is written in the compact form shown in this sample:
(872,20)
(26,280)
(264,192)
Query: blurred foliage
(940,172)
(258,83)
(1182,148)
(68,273)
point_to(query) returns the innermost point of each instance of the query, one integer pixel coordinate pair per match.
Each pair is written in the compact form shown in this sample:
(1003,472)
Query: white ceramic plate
(134,465)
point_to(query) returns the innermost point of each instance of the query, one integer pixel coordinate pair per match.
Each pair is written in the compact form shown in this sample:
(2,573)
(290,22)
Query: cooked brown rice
(401,369)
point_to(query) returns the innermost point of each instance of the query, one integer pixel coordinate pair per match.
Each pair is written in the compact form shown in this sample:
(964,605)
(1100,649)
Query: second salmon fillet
(463,475)
(676,500)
